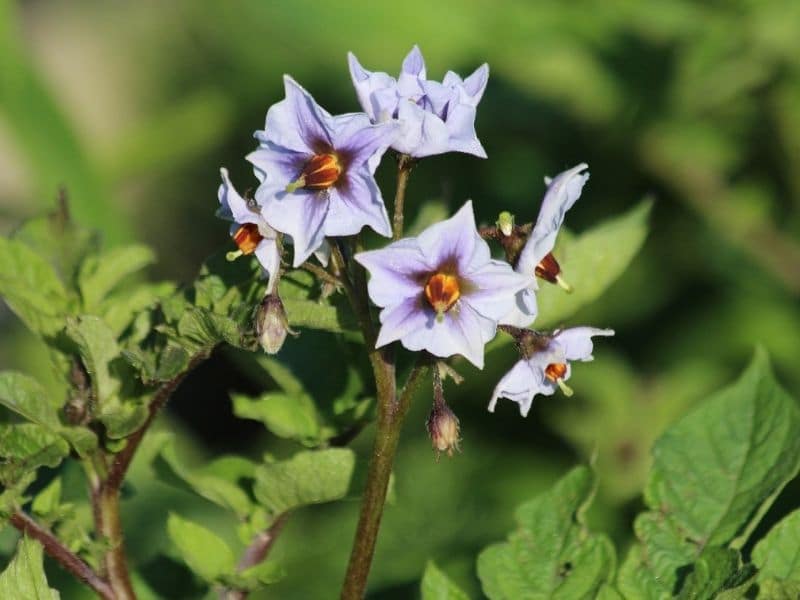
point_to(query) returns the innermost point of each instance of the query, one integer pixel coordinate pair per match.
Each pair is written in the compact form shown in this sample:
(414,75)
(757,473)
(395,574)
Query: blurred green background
(134,106)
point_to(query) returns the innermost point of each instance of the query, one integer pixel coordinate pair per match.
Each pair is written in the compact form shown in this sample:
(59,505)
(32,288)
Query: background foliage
(134,106)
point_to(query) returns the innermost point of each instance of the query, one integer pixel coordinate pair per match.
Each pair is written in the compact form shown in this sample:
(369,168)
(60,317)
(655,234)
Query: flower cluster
(440,292)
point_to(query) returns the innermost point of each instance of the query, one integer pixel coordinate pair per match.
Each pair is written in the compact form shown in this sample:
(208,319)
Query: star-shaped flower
(547,368)
(435,117)
(536,258)
(250,231)
(317,171)
(441,291)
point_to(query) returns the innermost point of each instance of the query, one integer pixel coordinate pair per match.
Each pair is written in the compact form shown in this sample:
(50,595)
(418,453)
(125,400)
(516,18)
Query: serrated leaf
(204,551)
(24,396)
(216,482)
(552,554)
(119,309)
(60,241)
(201,329)
(591,262)
(97,347)
(436,585)
(777,555)
(292,417)
(714,473)
(306,478)
(24,577)
(31,288)
(100,274)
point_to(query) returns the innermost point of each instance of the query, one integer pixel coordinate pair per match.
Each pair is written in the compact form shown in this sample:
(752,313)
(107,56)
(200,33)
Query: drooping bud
(272,325)
(505,223)
(549,270)
(443,428)
(442,291)
(319,173)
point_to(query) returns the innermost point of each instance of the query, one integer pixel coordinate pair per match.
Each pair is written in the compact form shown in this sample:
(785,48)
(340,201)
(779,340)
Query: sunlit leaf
(24,576)
(204,551)
(437,586)
(552,554)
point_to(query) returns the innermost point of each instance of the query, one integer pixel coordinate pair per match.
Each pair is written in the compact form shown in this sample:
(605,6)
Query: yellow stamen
(442,291)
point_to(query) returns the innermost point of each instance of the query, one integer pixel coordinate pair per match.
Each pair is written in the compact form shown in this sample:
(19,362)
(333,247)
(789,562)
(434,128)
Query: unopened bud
(272,324)
(443,429)
(505,223)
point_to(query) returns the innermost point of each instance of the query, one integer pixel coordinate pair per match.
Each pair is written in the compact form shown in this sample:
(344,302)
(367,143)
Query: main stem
(391,410)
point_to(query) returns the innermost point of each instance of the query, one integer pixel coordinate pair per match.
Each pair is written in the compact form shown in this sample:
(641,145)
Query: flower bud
(443,429)
(272,324)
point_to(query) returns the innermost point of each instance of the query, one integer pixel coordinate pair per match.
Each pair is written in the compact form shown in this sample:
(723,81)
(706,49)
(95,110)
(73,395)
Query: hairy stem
(62,555)
(404,165)
(116,564)
(390,421)
(255,554)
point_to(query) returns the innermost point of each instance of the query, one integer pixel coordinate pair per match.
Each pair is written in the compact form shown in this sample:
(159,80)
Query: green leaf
(714,474)
(591,262)
(120,308)
(217,482)
(777,555)
(264,573)
(100,274)
(31,288)
(24,396)
(306,478)
(97,347)
(24,577)
(25,447)
(48,500)
(718,571)
(205,552)
(281,374)
(437,586)
(199,329)
(292,417)
(552,554)
(773,589)
(331,314)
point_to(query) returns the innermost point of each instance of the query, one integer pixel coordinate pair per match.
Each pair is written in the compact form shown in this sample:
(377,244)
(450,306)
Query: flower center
(319,173)
(247,237)
(549,270)
(442,292)
(555,372)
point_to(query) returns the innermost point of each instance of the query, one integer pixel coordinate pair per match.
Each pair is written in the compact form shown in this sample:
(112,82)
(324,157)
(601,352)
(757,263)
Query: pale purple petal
(323,253)
(563,191)
(355,203)
(461,126)
(520,385)
(297,123)
(493,288)
(455,240)
(422,133)
(397,271)
(280,163)
(577,341)
(525,309)
(300,214)
(268,255)
(360,140)
(400,319)
(475,84)
(414,64)
(232,205)
(459,332)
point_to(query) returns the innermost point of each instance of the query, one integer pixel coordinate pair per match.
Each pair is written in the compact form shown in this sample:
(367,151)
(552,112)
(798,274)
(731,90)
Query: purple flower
(435,117)
(441,291)
(536,258)
(250,231)
(547,367)
(317,171)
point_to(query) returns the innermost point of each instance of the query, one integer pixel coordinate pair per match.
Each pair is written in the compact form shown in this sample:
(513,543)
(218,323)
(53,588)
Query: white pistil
(296,184)
(564,387)
(233,255)
(563,284)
